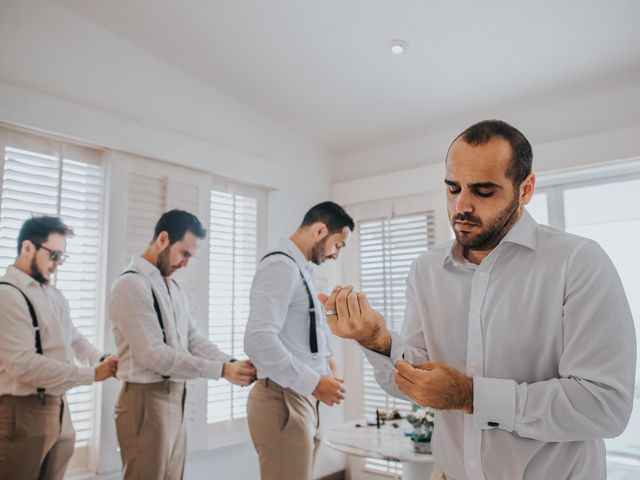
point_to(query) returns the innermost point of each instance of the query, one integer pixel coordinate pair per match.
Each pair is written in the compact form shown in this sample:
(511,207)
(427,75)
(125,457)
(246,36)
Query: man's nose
(463,202)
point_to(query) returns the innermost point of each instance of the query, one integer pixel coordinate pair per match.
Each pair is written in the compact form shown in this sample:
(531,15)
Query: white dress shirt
(143,357)
(277,334)
(543,326)
(22,370)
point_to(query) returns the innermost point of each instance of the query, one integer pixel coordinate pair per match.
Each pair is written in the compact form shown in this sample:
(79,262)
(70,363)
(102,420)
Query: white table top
(386,443)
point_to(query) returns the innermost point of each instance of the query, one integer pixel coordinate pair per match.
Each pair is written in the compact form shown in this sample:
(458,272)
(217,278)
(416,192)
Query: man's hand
(329,390)
(434,384)
(356,319)
(106,369)
(239,373)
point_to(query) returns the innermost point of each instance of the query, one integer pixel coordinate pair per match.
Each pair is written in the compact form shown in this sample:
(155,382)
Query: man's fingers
(404,385)
(341,303)
(363,301)
(332,321)
(352,304)
(407,371)
(330,300)
(428,365)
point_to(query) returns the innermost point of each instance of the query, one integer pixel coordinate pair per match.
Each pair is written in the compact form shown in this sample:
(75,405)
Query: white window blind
(233,250)
(61,180)
(387,248)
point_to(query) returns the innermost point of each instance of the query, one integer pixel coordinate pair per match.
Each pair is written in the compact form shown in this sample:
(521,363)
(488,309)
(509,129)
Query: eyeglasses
(56,255)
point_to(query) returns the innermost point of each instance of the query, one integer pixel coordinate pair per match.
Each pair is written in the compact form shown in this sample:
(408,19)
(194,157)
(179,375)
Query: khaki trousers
(284,427)
(151,430)
(438,474)
(36,437)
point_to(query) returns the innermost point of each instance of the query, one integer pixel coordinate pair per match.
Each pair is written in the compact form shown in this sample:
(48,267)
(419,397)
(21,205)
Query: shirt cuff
(86,375)
(212,369)
(307,382)
(494,403)
(397,347)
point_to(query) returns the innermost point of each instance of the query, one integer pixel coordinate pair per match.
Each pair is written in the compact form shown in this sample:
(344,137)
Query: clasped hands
(430,384)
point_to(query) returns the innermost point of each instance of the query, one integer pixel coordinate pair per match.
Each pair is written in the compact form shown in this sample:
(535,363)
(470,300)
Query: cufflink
(493,424)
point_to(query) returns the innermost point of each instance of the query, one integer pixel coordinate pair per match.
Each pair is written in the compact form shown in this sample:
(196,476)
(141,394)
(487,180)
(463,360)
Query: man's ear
(527,188)
(162,241)
(27,248)
(319,230)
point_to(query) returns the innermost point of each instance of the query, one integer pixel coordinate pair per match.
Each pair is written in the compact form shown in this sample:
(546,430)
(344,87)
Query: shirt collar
(19,278)
(144,266)
(522,233)
(290,247)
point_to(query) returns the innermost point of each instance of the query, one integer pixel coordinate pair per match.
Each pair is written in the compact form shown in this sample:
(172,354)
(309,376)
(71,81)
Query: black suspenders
(34,322)
(313,335)
(156,307)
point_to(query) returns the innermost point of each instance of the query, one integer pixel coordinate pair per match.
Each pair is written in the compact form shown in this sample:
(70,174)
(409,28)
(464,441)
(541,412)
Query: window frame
(84,457)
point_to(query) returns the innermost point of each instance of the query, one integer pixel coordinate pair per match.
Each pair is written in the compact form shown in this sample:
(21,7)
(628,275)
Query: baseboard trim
(339,475)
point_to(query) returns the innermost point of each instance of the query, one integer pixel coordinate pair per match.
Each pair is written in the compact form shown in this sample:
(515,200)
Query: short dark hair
(178,222)
(329,213)
(38,229)
(521,153)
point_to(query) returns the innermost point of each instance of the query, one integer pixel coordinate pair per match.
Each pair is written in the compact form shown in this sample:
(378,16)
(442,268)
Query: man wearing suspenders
(40,354)
(159,348)
(287,339)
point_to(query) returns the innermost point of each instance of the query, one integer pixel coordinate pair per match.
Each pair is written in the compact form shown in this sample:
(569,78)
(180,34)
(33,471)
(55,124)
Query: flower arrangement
(422,421)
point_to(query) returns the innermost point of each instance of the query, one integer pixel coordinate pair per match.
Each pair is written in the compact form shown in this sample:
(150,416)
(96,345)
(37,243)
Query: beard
(36,274)
(163,263)
(318,252)
(491,235)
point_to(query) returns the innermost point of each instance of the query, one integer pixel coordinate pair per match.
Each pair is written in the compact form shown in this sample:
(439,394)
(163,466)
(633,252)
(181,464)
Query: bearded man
(519,335)
(287,339)
(159,348)
(42,356)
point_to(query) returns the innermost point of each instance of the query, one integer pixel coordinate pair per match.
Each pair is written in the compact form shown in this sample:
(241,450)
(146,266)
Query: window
(388,246)
(232,259)
(46,177)
(603,207)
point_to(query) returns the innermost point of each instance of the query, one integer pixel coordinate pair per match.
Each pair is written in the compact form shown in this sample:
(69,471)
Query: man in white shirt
(40,356)
(520,335)
(159,348)
(287,339)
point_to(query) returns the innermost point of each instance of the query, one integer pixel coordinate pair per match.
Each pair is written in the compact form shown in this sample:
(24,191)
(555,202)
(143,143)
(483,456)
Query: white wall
(616,108)
(567,154)
(63,75)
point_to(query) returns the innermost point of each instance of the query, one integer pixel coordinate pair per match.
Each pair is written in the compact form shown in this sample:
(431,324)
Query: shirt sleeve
(131,310)
(409,345)
(592,396)
(85,353)
(201,347)
(18,354)
(271,292)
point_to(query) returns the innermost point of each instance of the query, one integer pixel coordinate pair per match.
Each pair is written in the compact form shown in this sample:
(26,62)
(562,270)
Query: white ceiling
(323,67)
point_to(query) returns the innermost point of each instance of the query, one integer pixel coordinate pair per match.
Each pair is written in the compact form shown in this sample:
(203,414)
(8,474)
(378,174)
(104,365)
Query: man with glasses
(159,348)
(42,355)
